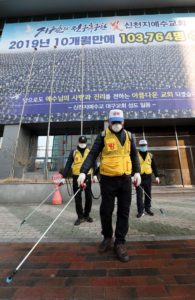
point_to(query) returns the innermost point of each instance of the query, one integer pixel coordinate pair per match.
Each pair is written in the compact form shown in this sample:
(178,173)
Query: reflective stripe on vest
(115,158)
(146,164)
(78,161)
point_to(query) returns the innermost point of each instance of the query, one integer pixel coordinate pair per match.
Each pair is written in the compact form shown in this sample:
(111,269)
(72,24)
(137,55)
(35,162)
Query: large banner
(141,64)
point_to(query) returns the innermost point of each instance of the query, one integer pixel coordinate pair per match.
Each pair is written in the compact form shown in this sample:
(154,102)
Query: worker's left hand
(136,179)
(81,179)
(94,179)
(157,179)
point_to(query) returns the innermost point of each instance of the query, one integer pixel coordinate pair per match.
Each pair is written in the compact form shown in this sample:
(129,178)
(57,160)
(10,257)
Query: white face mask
(117,127)
(82,146)
(143,148)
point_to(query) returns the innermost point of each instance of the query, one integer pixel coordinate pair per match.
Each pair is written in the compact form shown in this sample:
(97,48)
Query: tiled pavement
(66,264)
(160,270)
(177,220)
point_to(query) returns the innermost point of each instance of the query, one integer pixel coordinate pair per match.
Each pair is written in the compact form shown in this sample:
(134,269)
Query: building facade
(144,65)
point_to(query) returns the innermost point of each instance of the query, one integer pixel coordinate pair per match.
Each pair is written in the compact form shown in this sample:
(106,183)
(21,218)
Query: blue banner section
(38,103)
(163,104)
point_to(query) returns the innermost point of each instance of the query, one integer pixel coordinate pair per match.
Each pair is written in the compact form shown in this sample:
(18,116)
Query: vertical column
(32,152)
(179,155)
(8,148)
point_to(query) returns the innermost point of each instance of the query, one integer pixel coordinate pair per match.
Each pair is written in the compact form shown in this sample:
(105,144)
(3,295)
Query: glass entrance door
(187,155)
(167,160)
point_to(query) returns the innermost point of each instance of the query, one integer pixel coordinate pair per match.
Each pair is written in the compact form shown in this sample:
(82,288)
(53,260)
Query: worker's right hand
(94,179)
(81,179)
(136,179)
(62,181)
(157,179)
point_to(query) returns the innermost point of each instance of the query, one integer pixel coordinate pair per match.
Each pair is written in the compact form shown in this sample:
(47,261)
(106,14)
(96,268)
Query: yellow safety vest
(115,158)
(78,161)
(146,165)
